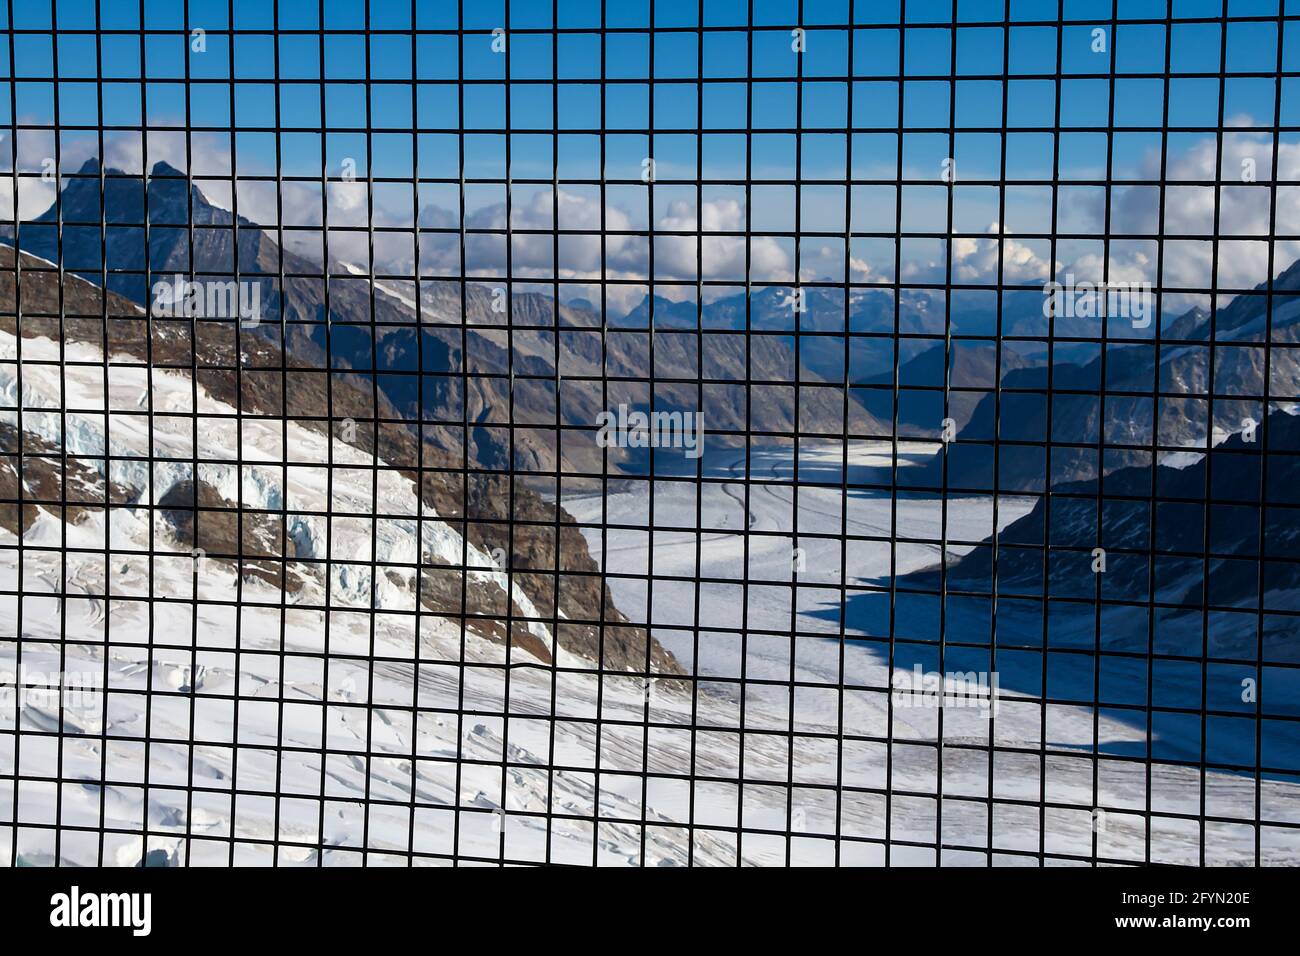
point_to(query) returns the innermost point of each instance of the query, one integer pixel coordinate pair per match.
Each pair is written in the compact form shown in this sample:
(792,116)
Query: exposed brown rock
(46,473)
(478,508)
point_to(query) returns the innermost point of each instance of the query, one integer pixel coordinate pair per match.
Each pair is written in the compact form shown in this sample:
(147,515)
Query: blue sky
(681,96)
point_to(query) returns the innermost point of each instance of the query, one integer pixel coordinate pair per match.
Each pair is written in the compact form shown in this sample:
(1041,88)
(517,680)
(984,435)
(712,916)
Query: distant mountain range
(747,377)
(451,336)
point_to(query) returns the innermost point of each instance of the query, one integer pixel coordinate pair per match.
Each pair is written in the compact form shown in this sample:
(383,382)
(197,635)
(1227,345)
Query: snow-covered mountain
(292,405)
(273,479)
(240,645)
(268,626)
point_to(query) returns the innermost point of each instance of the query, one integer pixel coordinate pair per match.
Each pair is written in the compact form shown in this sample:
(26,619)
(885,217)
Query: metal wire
(1014,789)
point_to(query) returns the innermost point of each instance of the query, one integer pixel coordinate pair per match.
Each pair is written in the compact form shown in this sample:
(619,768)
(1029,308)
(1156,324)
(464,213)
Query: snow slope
(743,658)
(203,688)
(151,659)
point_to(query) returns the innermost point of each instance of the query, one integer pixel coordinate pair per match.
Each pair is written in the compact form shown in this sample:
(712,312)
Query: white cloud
(1243,207)
(703,250)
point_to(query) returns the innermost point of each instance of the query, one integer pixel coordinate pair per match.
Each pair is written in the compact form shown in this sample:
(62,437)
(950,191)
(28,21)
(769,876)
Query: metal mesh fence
(657,433)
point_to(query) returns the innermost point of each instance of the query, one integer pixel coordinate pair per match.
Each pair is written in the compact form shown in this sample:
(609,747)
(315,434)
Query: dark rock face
(1160,540)
(1199,354)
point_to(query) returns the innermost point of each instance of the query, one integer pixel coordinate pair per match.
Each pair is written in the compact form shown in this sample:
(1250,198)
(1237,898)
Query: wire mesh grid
(656,433)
